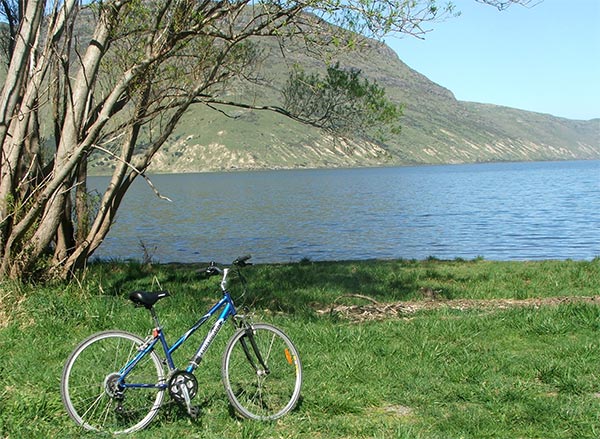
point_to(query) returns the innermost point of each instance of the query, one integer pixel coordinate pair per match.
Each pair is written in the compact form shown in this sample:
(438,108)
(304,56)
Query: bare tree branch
(136,170)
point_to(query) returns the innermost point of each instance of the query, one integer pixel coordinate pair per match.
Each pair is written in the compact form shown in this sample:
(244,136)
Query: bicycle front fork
(249,334)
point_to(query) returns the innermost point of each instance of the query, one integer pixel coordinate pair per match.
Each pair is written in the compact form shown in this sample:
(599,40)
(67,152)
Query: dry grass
(375,310)
(11,306)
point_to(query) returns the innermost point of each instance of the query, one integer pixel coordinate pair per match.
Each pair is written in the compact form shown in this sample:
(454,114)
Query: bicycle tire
(254,394)
(87,396)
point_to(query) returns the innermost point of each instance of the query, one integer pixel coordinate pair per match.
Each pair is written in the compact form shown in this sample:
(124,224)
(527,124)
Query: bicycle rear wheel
(89,387)
(262,372)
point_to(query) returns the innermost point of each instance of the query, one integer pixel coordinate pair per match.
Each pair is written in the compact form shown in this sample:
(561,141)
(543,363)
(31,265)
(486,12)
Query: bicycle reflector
(288,356)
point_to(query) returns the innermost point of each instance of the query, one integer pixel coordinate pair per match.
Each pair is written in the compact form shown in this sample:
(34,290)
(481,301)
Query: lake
(499,211)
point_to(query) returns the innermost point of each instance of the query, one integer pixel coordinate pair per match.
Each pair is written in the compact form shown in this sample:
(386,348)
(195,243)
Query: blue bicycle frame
(227,310)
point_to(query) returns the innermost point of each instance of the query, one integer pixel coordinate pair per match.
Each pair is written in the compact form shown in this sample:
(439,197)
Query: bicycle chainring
(179,381)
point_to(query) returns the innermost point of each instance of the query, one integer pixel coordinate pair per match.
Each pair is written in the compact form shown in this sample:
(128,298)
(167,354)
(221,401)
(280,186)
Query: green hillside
(436,128)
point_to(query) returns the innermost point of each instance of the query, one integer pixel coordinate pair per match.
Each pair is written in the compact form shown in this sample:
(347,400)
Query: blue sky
(544,59)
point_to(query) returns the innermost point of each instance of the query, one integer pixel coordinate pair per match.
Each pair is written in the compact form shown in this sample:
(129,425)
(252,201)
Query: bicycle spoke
(106,412)
(270,348)
(93,407)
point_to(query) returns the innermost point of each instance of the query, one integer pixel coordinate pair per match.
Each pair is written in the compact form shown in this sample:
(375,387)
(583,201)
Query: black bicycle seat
(147,299)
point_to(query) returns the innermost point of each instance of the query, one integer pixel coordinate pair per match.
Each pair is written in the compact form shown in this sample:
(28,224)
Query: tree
(341,102)
(115,77)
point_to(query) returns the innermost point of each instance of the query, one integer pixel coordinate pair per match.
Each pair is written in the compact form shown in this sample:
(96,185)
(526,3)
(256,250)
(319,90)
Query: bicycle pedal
(194,412)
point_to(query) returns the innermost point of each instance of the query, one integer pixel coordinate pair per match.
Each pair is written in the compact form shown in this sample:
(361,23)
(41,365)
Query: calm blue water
(507,211)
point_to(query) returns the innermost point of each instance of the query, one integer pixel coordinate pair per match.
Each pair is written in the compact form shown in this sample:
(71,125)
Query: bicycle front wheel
(90,390)
(262,372)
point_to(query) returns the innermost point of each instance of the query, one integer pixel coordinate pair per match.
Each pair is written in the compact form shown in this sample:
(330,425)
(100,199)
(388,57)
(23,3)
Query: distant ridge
(436,127)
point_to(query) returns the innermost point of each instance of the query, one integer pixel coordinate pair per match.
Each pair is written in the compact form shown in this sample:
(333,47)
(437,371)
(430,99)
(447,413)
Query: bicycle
(115,381)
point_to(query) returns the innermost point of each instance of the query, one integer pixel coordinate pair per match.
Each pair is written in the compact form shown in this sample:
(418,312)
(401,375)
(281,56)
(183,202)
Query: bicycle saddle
(146,299)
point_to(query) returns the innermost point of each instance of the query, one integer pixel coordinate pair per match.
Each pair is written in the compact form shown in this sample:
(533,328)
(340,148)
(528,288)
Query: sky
(544,58)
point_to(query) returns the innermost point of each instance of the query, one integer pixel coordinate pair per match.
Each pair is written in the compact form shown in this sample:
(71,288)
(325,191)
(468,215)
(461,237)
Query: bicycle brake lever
(205,273)
(241,261)
(212,271)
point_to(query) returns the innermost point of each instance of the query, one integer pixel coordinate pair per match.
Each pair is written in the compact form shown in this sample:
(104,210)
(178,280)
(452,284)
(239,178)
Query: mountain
(436,127)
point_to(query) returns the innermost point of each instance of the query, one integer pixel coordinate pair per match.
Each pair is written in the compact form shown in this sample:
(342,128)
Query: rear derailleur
(115,391)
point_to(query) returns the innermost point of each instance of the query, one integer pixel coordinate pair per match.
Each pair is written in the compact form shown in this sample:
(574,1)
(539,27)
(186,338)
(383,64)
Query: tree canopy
(115,77)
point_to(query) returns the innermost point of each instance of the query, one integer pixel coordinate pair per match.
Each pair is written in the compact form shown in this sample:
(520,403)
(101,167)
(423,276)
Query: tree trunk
(82,212)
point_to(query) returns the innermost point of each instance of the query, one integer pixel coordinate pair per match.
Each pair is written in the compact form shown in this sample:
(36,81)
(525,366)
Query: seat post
(154,317)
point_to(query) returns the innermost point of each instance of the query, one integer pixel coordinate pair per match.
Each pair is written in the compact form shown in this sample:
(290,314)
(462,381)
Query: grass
(480,373)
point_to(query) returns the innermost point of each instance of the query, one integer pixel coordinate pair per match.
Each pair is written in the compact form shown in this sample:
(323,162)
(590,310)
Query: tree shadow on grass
(289,288)
(300,286)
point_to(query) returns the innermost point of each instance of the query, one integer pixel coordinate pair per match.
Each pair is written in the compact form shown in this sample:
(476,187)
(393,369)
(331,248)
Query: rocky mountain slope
(436,128)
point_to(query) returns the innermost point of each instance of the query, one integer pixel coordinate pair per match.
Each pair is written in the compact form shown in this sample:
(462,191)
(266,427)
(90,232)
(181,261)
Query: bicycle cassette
(181,383)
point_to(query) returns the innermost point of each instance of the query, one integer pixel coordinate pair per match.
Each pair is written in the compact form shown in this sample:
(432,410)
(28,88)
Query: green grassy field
(481,372)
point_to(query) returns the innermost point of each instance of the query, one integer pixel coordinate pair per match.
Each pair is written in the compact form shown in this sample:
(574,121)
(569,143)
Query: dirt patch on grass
(374,310)
(395,410)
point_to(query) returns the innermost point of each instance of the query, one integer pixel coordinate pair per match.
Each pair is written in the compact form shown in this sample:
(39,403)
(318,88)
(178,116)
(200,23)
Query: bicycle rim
(89,396)
(256,394)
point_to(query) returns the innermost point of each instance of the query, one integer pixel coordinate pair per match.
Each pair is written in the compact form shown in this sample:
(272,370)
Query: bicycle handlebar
(213,269)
